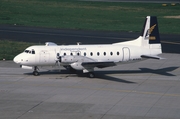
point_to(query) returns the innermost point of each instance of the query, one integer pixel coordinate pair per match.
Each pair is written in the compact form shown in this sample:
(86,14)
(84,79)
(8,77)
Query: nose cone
(17,59)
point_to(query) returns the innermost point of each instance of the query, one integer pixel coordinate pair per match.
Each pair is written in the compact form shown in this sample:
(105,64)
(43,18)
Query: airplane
(87,57)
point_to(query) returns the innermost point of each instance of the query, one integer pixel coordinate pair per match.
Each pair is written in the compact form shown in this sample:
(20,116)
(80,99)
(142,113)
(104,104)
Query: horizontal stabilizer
(151,57)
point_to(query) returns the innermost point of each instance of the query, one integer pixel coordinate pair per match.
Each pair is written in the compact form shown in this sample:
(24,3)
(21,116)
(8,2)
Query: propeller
(58,60)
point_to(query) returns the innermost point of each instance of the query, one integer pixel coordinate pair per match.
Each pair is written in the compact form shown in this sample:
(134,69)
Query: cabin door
(126,54)
(44,57)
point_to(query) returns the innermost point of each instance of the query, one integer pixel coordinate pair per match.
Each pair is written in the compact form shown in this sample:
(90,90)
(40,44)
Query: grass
(9,49)
(71,14)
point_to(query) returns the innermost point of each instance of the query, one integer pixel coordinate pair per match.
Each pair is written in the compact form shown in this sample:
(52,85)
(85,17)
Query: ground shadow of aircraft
(162,71)
(99,75)
(103,74)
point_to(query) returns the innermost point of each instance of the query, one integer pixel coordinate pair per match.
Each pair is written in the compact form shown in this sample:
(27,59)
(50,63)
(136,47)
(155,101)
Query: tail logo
(149,31)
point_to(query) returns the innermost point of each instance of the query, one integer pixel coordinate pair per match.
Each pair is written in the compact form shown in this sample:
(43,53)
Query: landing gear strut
(91,75)
(35,72)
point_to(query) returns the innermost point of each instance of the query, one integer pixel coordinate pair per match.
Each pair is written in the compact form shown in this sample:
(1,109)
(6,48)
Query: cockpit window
(30,51)
(33,52)
(26,51)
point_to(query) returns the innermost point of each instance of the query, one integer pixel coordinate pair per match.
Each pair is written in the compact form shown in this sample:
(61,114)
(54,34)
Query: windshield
(30,51)
(26,51)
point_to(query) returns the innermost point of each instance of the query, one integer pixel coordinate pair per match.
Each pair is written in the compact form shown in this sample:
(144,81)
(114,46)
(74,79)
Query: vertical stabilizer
(149,38)
(150,33)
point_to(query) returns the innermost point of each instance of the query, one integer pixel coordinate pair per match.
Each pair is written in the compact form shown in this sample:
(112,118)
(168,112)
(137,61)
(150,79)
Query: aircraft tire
(35,73)
(91,75)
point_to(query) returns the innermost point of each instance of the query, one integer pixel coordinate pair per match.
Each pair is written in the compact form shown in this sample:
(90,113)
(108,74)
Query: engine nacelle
(26,67)
(50,44)
(77,66)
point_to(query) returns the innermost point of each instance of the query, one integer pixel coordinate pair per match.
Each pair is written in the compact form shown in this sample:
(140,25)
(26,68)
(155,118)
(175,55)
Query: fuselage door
(126,54)
(44,57)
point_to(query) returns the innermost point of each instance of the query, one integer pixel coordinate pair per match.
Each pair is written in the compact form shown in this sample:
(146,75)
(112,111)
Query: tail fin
(149,38)
(150,32)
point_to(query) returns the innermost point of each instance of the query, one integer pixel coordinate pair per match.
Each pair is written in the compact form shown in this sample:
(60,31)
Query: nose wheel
(35,72)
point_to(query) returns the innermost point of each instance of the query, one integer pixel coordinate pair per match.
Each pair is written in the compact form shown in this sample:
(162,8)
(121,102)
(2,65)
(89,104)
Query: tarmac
(149,89)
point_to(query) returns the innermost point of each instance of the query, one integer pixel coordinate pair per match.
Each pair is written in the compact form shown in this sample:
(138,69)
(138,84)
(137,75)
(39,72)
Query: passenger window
(98,53)
(29,52)
(111,53)
(84,54)
(91,54)
(104,53)
(71,54)
(117,53)
(64,54)
(78,53)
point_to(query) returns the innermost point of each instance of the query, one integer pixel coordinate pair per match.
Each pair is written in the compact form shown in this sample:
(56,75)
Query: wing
(98,64)
(82,62)
(151,57)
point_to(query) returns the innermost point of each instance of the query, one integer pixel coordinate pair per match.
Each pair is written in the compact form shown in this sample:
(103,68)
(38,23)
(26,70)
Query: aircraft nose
(17,59)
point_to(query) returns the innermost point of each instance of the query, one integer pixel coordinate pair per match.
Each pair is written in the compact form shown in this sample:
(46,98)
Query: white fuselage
(46,55)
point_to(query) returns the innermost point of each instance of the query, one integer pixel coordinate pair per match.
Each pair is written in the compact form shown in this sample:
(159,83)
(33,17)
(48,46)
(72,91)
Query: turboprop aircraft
(87,57)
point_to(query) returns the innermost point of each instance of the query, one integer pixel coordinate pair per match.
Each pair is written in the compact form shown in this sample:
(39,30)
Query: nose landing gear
(35,72)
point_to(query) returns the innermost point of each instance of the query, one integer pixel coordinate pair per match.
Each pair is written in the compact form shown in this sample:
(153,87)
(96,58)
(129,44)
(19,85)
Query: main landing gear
(91,75)
(35,72)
